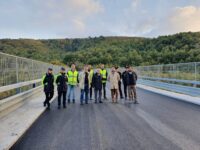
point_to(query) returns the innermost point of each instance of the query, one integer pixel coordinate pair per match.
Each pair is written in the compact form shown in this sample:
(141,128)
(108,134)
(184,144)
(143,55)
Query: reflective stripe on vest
(72,77)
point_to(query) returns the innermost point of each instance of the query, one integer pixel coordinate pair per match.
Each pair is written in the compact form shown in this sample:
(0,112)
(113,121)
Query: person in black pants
(61,82)
(47,81)
(97,83)
(119,83)
(125,79)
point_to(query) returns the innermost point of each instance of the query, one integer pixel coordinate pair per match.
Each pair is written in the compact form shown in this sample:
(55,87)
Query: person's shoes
(122,97)
(136,102)
(48,108)
(68,100)
(58,107)
(73,100)
(81,103)
(100,102)
(105,98)
(91,99)
(95,102)
(125,98)
(86,102)
(64,106)
(44,104)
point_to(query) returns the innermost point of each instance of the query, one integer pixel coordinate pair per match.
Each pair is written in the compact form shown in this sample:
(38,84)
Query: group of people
(88,81)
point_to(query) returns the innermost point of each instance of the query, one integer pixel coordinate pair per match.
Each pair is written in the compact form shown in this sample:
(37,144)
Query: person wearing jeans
(85,83)
(72,82)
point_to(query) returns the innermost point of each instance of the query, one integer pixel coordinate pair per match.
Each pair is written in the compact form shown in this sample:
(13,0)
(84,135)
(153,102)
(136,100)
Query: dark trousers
(98,93)
(49,96)
(60,94)
(91,92)
(84,92)
(104,90)
(125,90)
(120,89)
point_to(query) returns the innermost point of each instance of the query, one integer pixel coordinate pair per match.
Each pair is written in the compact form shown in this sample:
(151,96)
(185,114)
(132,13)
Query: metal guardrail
(14,69)
(192,91)
(171,80)
(180,71)
(19,74)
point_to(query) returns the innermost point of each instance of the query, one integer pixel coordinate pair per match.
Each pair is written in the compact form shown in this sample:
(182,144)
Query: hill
(181,47)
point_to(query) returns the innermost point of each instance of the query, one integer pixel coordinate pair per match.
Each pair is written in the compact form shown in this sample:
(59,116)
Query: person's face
(50,71)
(86,68)
(126,69)
(73,67)
(113,70)
(98,71)
(102,66)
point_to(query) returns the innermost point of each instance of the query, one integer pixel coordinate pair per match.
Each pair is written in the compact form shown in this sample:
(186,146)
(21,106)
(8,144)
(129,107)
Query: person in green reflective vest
(48,83)
(91,71)
(72,82)
(104,75)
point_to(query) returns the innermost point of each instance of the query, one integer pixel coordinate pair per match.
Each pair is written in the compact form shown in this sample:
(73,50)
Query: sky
(48,19)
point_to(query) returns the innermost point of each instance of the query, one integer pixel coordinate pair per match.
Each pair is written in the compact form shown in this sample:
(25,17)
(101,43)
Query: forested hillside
(182,47)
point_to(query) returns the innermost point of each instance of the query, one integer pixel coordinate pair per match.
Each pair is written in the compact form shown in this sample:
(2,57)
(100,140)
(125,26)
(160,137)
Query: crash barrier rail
(180,71)
(181,78)
(19,74)
(192,91)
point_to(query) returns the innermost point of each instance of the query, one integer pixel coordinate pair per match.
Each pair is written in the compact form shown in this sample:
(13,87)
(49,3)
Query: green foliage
(182,47)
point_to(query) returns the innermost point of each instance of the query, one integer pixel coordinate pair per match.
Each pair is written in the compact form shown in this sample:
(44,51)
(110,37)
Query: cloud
(185,19)
(135,3)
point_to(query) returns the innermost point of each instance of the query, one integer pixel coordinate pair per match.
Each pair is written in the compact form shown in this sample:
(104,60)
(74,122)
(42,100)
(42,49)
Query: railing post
(18,90)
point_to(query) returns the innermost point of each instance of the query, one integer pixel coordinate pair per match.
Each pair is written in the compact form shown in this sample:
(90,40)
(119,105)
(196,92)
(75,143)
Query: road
(157,123)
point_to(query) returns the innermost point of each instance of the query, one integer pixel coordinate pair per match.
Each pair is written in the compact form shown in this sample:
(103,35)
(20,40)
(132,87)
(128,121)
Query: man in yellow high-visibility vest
(72,82)
(104,75)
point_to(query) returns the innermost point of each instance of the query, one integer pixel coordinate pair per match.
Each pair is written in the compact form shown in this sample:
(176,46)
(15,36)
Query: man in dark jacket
(119,82)
(132,79)
(125,81)
(61,82)
(48,81)
(97,84)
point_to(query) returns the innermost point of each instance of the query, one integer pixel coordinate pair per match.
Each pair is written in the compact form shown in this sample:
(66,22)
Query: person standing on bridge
(85,83)
(97,83)
(72,82)
(104,75)
(48,82)
(114,79)
(120,82)
(132,79)
(125,81)
(91,71)
(61,82)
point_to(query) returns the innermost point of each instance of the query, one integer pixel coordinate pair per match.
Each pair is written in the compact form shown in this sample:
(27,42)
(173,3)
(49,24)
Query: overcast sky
(41,19)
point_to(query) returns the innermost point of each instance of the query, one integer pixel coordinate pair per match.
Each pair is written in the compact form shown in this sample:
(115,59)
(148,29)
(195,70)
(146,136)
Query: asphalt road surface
(157,123)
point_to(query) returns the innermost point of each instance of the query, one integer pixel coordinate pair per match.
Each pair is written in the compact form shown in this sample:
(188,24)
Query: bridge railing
(19,74)
(176,72)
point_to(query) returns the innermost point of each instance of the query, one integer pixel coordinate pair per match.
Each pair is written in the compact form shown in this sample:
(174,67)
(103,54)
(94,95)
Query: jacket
(125,77)
(48,82)
(61,82)
(114,79)
(82,80)
(132,78)
(97,81)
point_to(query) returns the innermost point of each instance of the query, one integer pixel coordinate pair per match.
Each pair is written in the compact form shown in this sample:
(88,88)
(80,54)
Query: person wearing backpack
(132,79)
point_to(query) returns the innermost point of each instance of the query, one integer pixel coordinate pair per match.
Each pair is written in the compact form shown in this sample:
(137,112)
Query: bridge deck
(158,122)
